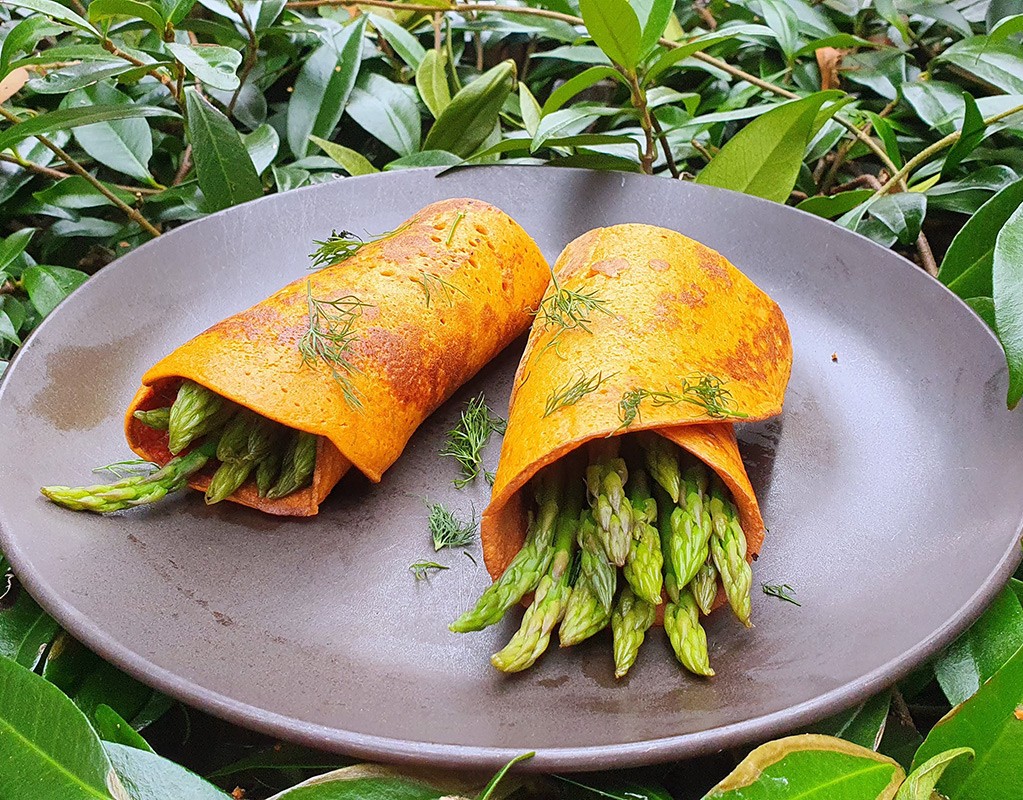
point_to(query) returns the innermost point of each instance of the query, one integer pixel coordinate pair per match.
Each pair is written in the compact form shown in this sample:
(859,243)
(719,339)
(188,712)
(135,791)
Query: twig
(78,169)
(926,255)
(703,151)
(166,80)
(184,166)
(665,147)
(251,54)
(645,121)
(58,175)
(843,152)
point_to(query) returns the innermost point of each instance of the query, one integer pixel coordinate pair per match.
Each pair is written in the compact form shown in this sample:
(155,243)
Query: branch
(113,49)
(251,54)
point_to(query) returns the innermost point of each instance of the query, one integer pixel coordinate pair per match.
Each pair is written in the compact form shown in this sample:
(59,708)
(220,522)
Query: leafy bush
(900,119)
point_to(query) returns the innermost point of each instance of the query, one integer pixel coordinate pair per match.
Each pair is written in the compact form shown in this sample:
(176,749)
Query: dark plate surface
(890,486)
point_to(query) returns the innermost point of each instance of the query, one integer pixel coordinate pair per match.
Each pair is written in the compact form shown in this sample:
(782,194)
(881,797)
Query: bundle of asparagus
(213,430)
(653,512)
(620,452)
(335,370)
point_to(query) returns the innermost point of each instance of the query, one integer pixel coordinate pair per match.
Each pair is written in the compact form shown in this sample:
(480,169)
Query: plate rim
(457,756)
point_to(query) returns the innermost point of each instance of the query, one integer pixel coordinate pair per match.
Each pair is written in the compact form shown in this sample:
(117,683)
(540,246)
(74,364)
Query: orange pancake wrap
(442,296)
(676,312)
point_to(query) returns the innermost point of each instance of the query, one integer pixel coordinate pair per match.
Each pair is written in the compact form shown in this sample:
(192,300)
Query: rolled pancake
(440,297)
(675,314)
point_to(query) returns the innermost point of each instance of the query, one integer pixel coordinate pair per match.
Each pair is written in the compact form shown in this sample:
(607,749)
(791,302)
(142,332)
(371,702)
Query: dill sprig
(705,391)
(330,336)
(454,227)
(421,569)
(572,392)
(566,310)
(782,591)
(445,287)
(121,469)
(468,438)
(449,531)
(342,245)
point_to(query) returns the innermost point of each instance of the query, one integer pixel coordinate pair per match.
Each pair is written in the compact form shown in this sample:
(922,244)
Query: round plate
(890,487)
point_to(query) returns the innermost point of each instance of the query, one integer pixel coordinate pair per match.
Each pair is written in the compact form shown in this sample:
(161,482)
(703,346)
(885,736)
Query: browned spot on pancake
(713,264)
(253,324)
(659,264)
(406,248)
(611,267)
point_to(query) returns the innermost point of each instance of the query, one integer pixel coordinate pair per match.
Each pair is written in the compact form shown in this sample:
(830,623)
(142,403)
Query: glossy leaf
(13,246)
(25,629)
(49,285)
(1007,283)
(401,41)
(967,194)
(614,27)
(324,87)
(54,10)
(372,782)
(146,776)
(988,724)
(902,214)
(432,81)
(225,171)
(212,64)
(835,205)
(46,742)
(863,724)
(105,9)
(24,36)
(77,193)
(966,268)
(473,112)
(920,783)
(670,58)
(262,146)
(982,650)
(653,16)
(998,63)
(68,118)
(354,163)
(971,135)
(112,727)
(811,767)
(529,109)
(387,112)
(763,158)
(578,83)
(124,145)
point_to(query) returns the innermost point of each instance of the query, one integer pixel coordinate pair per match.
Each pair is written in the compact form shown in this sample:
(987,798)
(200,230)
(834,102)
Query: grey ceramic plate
(890,486)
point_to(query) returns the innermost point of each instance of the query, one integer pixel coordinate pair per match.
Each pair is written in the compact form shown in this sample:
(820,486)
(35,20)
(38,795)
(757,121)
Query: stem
(926,255)
(113,49)
(58,175)
(251,54)
(645,121)
(665,147)
(184,167)
(78,169)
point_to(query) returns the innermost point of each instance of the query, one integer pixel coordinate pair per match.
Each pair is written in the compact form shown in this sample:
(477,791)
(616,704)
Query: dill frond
(468,438)
(705,391)
(330,336)
(342,245)
(421,569)
(445,287)
(571,393)
(449,531)
(782,591)
(566,310)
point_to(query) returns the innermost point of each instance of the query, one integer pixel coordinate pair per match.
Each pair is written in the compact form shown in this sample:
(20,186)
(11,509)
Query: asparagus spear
(643,566)
(705,585)
(529,565)
(688,638)
(728,549)
(267,470)
(661,458)
(297,466)
(247,439)
(135,491)
(158,418)
(589,605)
(666,512)
(551,598)
(196,411)
(605,483)
(631,618)
(690,527)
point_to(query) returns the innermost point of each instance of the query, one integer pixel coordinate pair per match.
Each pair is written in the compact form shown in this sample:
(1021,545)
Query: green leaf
(9,333)
(1006,27)
(966,268)
(998,63)
(387,112)
(24,36)
(225,171)
(262,145)
(967,194)
(324,87)
(972,134)
(835,205)
(112,727)
(653,16)
(840,40)
(67,118)
(670,58)
(863,724)
(886,133)
(473,112)
(105,9)
(489,789)
(763,158)
(289,177)
(982,650)
(983,307)
(147,776)
(280,756)
(46,745)
(784,25)
(614,27)
(56,11)
(811,767)
(77,193)
(424,158)
(369,782)
(67,79)
(935,102)
(432,81)
(401,41)
(13,246)
(986,723)
(921,782)
(902,214)
(49,285)
(212,64)
(1007,282)
(354,163)
(124,145)
(578,83)
(529,109)
(25,629)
